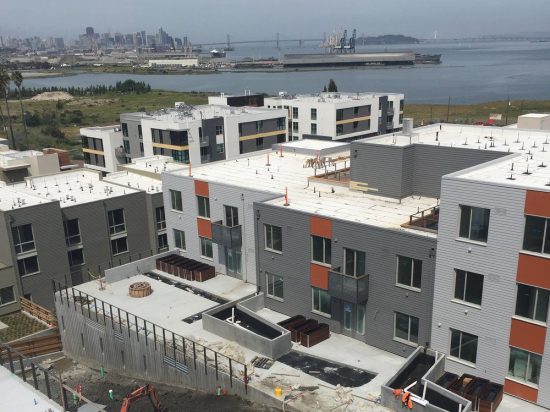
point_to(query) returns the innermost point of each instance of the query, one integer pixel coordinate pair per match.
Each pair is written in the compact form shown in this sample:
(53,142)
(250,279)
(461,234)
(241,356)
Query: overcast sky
(210,20)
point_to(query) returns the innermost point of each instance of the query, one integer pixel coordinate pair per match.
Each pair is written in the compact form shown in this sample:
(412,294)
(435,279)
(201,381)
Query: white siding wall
(497,261)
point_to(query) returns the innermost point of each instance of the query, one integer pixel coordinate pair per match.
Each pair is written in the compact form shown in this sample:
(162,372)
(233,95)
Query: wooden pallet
(36,346)
(38,312)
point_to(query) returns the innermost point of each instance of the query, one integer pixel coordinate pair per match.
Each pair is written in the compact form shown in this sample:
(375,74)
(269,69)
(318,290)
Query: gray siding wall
(497,261)
(133,135)
(248,146)
(381,248)
(400,171)
(380,166)
(49,239)
(209,129)
(220,195)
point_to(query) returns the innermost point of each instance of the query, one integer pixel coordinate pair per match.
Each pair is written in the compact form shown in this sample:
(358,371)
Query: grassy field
(64,119)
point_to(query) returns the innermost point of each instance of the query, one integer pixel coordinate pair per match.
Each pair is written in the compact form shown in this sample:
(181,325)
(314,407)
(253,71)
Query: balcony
(426,220)
(348,288)
(391,111)
(204,141)
(230,237)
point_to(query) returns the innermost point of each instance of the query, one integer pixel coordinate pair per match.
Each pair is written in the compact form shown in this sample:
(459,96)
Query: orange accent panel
(319,226)
(537,203)
(204,227)
(521,391)
(318,276)
(528,336)
(201,188)
(534,270)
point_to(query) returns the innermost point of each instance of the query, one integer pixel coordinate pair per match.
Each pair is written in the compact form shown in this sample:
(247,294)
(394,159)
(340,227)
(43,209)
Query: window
(321,249)
(140,132)
(361,312)
(409,272)
(178,138)
(233,263)
(126,144)
(28,266)
(524,366)
(313,114)
(116,221)
(537,234)
(274,286)
(259,143)
(72,232)
(23,238)
(231,216)
(295,127)
(463,346)
(281,123)
(347,315)
(320,301)
(7,295)
(295,112)
(76,257)
(339,114)
(273,238)
(141,147)
(220,148)
(124,129)
(313,128)
(259,126)
(354,262)
(179,239)
(281,138)
(406,328)
(206,248)
(355,125)
(175,199)
(468,286)
(162,241)
(119,245)
(160,218)
(355,111)
(339,129)
(219,130)
(532,303)
(474,223)
(204,206)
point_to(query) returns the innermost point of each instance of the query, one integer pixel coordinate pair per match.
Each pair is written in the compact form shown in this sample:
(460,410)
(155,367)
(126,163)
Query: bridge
(277,41)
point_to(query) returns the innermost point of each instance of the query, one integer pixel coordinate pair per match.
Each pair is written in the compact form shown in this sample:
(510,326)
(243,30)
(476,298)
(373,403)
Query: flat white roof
(183,113)
(336,97)
(323,198)
(528,168)
(154,164)
(70,188)
(536,115)
(135,181)
(11,198)
(22,397)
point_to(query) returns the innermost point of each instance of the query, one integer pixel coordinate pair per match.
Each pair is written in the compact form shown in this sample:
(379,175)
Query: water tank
(407,126)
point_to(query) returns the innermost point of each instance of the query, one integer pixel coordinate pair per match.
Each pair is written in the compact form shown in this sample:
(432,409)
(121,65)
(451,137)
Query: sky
(211,20)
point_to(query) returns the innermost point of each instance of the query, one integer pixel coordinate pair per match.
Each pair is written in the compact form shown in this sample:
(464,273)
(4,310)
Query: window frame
(176,200)
(459,358)
(17,243)
(313,128)
(23,259)
(160,221)
(271,247)
(360,321)
(467,274)
(179,235)
(116,228)
(270,281)
(70,259)
(231,219)
(355,252)
(545,238)
(69,237)
(2,302)
(325,261)
(203,206)
(534,305)
(528,367)
(412,274)
(318,291)
(410,319)
(471,218)
(115,241)
(313,113)
(162,247)
(204,245)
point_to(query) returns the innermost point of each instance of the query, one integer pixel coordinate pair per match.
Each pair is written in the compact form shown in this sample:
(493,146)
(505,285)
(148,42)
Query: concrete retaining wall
(133,268)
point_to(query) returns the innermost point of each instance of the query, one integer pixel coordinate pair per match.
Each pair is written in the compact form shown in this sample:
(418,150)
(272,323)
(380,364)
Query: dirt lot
(96,388)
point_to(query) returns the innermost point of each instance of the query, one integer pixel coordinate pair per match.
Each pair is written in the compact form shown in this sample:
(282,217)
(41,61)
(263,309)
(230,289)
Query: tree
(4,88)
(332,88)
(17,79)
(325,88)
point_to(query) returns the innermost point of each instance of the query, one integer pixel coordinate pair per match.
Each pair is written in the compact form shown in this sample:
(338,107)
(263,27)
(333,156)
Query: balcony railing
(391,111)
(204,141)
(348,288)
(228,236)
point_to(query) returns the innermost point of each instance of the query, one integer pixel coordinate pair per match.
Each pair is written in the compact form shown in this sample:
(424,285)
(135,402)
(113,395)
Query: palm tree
(4,86)
(17,79)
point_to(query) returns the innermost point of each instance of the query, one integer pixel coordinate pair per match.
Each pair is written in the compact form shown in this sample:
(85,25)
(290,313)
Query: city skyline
(466,19)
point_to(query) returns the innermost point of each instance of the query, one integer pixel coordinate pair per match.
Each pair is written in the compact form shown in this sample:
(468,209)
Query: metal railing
(427,219)
(353,289)
(177,350)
